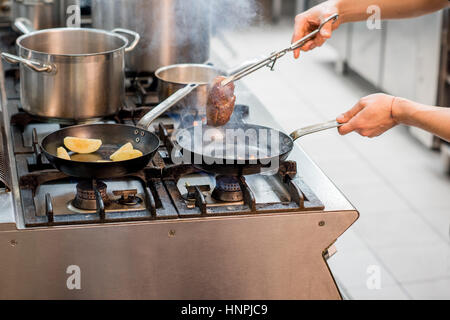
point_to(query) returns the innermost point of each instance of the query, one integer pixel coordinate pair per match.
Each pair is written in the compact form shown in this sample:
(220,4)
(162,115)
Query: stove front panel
(250,257)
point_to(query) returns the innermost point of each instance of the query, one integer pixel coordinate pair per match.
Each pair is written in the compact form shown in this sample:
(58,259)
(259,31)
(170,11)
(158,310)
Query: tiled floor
(395,182)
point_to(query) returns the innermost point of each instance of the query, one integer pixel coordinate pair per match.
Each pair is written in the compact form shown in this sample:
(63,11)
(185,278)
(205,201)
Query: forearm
(433,119)
(356,10)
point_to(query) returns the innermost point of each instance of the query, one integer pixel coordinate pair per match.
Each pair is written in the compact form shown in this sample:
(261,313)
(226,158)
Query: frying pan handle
(314,128)
(153,114)
(34,65)
(135,35)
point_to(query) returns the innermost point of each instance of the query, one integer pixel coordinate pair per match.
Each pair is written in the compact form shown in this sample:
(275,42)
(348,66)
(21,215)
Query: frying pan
(113,137)
(239,149)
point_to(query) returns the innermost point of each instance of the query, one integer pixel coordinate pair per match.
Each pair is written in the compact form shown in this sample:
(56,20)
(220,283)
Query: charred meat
(220,104)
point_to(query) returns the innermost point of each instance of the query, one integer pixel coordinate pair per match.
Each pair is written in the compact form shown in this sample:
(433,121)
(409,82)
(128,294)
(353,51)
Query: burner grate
(5,174)
(4,171)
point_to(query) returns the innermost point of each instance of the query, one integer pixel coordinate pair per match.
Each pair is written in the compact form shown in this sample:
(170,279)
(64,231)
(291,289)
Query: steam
(239,113)
(173,31)
(233,15)
(176,31)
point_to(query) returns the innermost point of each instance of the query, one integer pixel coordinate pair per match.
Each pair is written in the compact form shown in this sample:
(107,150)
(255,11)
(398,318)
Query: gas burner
(85,198)
(228,189)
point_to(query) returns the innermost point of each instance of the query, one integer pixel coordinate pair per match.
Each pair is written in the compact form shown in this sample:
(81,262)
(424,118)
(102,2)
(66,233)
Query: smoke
(175,31)
(234,14)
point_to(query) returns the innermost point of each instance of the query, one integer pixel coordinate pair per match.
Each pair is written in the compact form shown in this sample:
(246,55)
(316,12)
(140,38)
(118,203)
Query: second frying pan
(240,149)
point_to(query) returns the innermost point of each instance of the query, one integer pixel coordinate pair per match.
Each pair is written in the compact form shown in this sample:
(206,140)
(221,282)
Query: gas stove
(169,231)
(163,190)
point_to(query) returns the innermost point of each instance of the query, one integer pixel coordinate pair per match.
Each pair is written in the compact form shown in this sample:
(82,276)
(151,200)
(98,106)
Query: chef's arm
(433,119)
(356,10)
(377,113)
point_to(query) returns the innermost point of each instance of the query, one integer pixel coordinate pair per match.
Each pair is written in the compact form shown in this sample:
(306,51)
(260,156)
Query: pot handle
(135,35)
(314,128)
(34,65)
(150,116)
(24,25)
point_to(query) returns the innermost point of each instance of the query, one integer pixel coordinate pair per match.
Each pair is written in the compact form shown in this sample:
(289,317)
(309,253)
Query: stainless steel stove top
(165,190)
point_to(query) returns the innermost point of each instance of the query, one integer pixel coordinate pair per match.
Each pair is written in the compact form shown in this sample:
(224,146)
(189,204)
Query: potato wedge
(86,157)
(127,155)
(81,145)
(126,147)
(62,153)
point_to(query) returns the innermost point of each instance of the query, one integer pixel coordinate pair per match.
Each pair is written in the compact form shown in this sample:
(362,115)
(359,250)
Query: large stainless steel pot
(172,31)
(72,74)
(43,14)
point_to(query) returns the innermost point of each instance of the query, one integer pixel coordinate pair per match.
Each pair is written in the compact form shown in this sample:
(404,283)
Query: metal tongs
(272,59)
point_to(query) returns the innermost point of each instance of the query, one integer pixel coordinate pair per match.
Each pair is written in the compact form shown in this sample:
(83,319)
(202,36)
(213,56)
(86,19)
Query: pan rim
(182,65)
(23,37)
(239,162)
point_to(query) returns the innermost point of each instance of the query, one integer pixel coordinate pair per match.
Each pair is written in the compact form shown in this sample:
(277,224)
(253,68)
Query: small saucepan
(175,77)
(186,85)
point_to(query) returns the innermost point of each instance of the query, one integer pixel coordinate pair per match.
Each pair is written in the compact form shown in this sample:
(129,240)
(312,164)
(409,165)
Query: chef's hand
(309,21)
(370,117)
